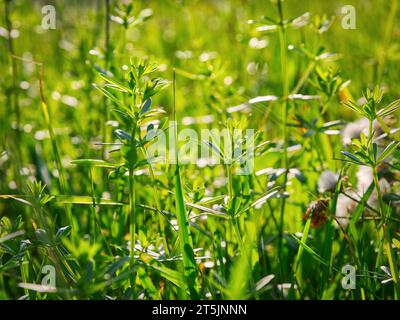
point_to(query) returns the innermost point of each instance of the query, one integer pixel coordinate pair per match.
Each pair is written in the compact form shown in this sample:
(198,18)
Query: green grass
(79,108)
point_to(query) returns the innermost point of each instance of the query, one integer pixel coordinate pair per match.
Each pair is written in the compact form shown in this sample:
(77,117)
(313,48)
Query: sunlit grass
(81,107)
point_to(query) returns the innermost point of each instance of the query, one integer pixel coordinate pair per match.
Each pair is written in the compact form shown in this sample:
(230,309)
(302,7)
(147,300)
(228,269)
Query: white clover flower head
(373,202)
(327,181)
(365,177)
(345,206)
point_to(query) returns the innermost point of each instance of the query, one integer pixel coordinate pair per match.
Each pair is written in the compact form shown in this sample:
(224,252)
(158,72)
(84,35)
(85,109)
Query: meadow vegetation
(82,105)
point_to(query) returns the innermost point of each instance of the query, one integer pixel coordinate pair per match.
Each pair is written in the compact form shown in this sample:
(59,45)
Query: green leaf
(12,236)
(42,236)
(115,82)
(396,243)
(123,135)
(63,231)
(388,151)
(173,276)
(301,21)
(315,255)
(146,106)
(391,108)
(94,163)
(301,248)
(389,197)
(268,28)
(109,95)
(264,281)
(208,210)
(86,200)
(353,106)
(260,201)
(352,157)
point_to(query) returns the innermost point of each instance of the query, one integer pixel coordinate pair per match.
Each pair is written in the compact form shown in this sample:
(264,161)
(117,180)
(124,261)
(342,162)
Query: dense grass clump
(105,192)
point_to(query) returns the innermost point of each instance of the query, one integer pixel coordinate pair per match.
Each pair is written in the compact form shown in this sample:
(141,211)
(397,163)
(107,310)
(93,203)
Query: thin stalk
(64,187)
(381,232)
(132,227)
(370,131)
(14,93)
(11,51)
(380,241)
(390,23)
(328,239)
(387,240)
(24,269)
(107,34)
(304,77)
(105,114)
(285,87)
(132,209)
(379,193)
(230,181)
(93,207)
(96,226)
(297,266)
(107,52)
(392,262)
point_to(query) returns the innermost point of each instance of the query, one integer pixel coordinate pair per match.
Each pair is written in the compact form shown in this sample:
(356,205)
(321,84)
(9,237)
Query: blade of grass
(185,238)
(296,265)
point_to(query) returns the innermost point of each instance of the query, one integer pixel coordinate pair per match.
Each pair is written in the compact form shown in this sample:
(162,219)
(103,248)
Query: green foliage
(79,191)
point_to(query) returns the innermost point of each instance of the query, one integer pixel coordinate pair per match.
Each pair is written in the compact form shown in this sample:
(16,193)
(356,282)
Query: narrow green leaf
(115,82)
(391,108)
(86,200)
(388,151)
(94,163)
(353,158)
(315,255)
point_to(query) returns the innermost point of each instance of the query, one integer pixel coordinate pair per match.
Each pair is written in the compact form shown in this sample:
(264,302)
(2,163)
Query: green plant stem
(392,262)
(370,131)
(107,34)
(386,237)
(132,208)
(64,187)
(93,207)
(106,66)
(379,193)
(185,239)
(390,23)
(304,77)
(285,86)
(230,181)
(132,226)
(14,93)
(297,266)
(13,63)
